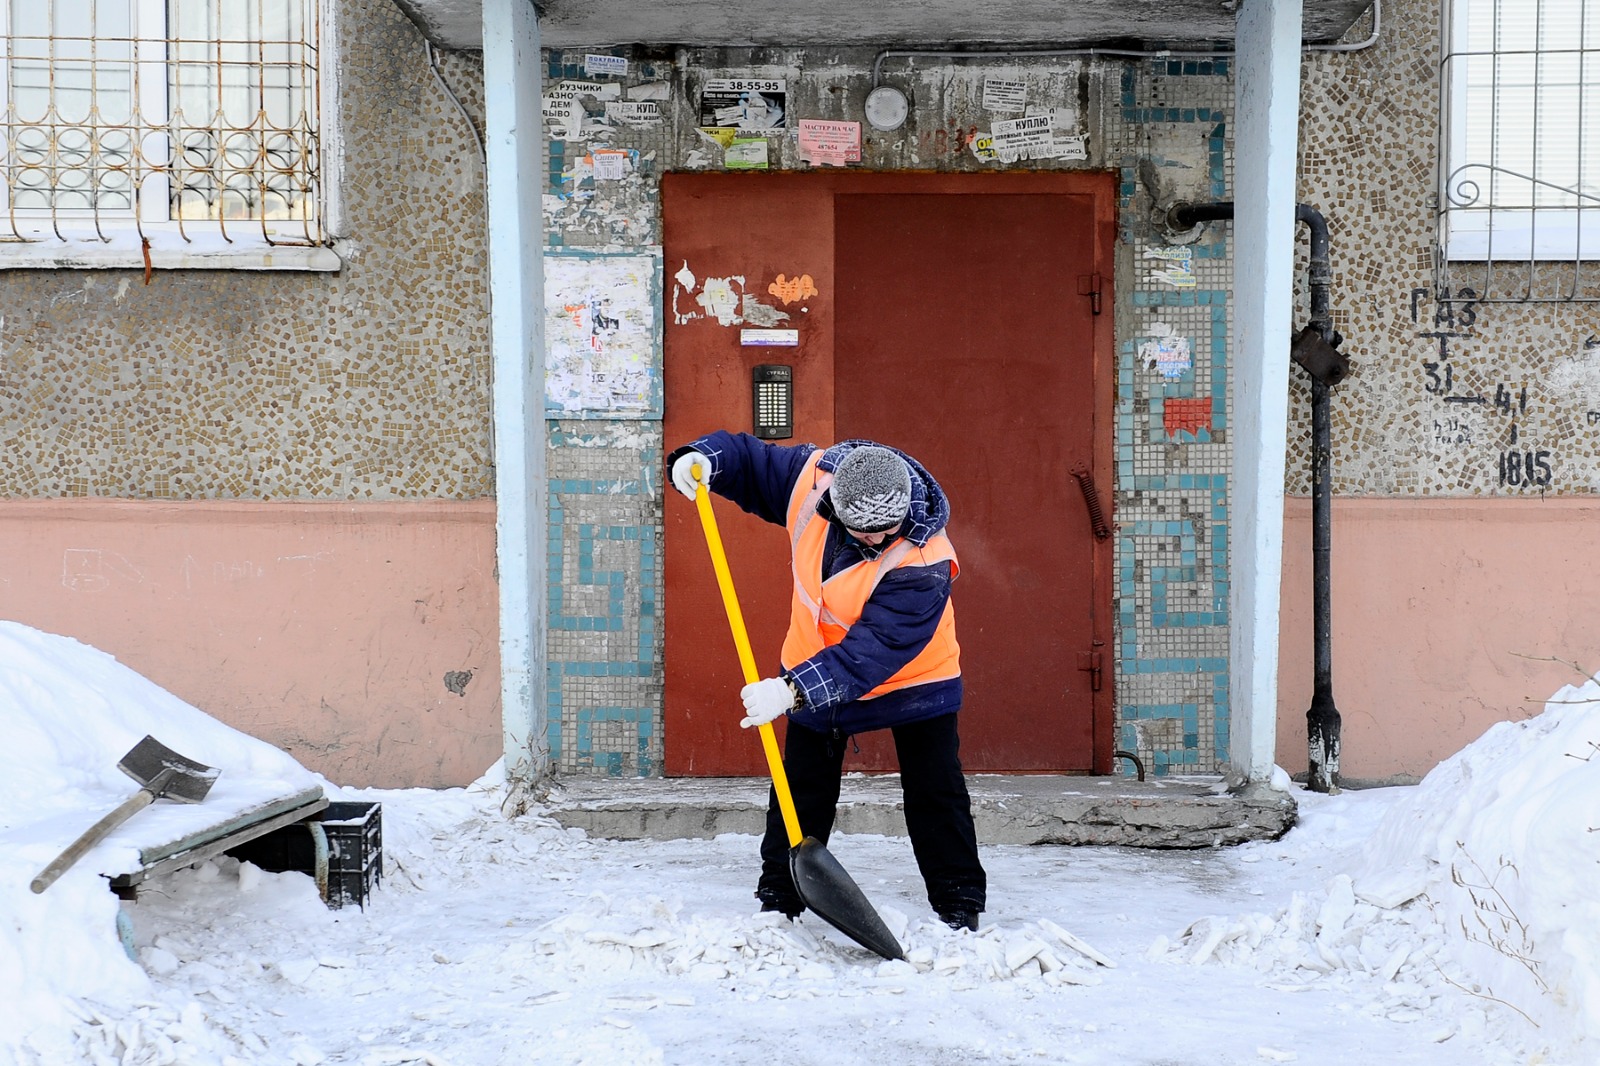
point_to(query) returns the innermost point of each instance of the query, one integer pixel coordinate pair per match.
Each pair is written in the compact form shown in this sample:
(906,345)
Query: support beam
(1265,148)
(511,79)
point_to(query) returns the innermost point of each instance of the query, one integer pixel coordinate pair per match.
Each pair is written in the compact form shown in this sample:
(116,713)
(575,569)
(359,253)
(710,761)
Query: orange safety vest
(822,612)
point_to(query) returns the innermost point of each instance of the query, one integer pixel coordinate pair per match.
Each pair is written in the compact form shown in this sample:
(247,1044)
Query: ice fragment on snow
(1214,932)
(1272,1054)
(547,997)
(298,971)
(1021,950)
(305,1055)
(895,921)
(160,961)
(1075,944)
(1336,910)
(1389,889)
(633,1002)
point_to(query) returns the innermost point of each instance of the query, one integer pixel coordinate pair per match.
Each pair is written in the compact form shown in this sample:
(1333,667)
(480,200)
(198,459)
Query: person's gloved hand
(765,700)
(683,473)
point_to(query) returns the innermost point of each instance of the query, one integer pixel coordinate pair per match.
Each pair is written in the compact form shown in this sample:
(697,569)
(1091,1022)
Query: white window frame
(1473,228)
(73,240)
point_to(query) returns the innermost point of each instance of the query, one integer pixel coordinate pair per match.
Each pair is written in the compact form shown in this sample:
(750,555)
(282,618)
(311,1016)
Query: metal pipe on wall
(1315,349)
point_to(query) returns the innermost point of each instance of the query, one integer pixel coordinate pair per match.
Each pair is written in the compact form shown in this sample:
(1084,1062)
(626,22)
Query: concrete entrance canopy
(893,23)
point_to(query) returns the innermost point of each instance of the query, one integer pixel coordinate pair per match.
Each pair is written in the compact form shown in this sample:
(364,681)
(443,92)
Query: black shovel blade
(827,889)
(188,781)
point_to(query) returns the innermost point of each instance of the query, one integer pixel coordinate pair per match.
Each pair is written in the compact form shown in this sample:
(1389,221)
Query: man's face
(872,540)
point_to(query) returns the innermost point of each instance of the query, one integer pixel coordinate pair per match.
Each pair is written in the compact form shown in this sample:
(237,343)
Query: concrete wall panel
(361,638)
(1448,616)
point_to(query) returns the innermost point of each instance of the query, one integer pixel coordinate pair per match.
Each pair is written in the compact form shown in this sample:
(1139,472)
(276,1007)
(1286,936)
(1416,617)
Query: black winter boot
(960,920)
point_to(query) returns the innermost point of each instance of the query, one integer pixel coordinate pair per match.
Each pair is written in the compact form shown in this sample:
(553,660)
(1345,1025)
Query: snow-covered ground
(1451,923)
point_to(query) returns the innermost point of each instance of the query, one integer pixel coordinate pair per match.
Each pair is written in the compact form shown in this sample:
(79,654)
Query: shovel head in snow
(161,773)
(826,888)
(822,883)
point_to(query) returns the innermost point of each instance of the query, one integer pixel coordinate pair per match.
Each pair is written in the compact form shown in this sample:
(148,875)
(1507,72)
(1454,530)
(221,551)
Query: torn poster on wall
(1031,137)
(1175,265)
(746,153)
(634,113)
(744,103)
(611,164)
(614,66)
(1166,352)
(1004,96)
(602,335)
(833,144)
(566,107)
(788,290)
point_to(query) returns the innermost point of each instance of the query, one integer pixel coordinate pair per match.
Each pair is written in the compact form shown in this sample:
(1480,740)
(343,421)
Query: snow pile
(1502,841)
(1330,939)
(69,714)
(780,958)
(1480,880)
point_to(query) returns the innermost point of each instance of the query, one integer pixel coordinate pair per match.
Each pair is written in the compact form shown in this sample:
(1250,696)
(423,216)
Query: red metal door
(951,319)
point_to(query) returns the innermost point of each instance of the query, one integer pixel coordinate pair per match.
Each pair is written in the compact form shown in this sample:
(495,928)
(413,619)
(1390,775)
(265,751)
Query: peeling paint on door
(720,300)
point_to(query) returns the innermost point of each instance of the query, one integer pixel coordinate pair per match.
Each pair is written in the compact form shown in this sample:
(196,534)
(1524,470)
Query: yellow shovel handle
(741,640)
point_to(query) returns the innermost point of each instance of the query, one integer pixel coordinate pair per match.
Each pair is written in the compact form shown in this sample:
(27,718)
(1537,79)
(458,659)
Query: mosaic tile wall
(605,646)
(1448,397)
(368,384)
(1170,137)
(1164,125)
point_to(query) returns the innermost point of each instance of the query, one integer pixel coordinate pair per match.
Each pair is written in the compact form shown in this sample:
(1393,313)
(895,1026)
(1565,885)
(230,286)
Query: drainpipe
(1315,348)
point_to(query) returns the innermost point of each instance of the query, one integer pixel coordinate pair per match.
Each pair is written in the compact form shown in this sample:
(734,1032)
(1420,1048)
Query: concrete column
(1266,126)
(511,74)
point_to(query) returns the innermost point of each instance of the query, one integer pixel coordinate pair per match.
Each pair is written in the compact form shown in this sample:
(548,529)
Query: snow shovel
(823,884)
(161,773)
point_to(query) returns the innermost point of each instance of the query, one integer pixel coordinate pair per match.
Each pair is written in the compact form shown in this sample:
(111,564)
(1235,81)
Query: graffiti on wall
(1519,464)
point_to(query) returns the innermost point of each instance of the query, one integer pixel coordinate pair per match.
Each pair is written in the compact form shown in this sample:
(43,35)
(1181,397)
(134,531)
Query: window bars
(199,116)
(1519,151)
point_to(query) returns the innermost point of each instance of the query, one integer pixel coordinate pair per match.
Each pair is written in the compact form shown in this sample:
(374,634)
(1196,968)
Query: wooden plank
(203,844)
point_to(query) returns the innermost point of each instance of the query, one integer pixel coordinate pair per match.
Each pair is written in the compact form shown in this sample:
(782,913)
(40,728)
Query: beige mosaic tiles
(372,383)
(1448,397)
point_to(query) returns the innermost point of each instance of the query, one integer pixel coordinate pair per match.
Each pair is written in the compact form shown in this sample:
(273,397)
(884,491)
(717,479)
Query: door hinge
(1091,661)
(1089,285)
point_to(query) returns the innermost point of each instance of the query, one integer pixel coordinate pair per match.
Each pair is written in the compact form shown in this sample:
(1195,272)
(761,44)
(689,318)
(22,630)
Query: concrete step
(1176,812)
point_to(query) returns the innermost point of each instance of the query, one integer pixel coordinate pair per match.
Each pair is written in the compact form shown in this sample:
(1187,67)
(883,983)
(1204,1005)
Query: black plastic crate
(354,833)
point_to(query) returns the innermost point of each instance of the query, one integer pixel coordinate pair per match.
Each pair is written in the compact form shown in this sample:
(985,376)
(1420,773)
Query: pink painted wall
(361,638)
(1446,614)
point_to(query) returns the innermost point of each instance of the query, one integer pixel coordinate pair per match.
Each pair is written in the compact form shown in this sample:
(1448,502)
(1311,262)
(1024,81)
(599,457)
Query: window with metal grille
(1520,145)
(190,125)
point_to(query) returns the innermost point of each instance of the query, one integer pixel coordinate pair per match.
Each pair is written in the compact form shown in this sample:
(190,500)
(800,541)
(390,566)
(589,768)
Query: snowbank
(1481,880)
(68,713)
(1503,841)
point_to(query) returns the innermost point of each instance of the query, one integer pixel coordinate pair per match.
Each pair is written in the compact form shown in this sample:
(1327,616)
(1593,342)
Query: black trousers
(937,808)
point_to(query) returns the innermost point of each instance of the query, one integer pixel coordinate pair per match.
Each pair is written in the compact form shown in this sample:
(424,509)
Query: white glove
(765,700)
(683,473)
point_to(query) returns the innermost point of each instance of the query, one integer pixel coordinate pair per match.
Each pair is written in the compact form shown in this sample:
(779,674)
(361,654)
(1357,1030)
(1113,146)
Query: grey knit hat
(871,489)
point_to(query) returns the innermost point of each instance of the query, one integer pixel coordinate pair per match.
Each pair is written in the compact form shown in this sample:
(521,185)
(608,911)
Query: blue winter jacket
(898,619)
